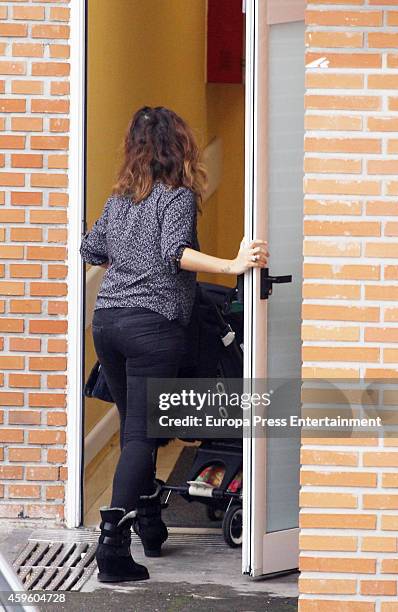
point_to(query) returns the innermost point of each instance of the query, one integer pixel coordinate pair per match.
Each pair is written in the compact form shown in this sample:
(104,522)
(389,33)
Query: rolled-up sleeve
(93,248)
(178,228)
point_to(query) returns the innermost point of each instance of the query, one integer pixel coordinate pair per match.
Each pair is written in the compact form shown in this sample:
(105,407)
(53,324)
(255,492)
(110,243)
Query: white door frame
(73,502)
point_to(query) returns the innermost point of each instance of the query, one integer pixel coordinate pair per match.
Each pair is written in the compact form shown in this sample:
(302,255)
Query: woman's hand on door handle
(249,256)
(252,256)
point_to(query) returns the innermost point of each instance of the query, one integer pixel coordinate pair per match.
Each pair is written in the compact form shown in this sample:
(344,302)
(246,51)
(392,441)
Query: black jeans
(133,344)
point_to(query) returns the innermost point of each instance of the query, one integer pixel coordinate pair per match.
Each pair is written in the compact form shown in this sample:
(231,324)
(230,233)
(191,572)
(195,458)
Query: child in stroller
(215,477)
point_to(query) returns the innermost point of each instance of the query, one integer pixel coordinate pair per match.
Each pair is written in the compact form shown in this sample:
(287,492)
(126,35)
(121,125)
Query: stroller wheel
(232,526)
(214,514)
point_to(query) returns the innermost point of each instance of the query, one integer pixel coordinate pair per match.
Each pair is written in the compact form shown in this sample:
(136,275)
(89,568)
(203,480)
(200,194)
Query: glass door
(274,200)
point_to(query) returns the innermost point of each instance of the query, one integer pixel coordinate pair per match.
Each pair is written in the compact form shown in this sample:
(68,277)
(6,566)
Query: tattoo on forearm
(226,269)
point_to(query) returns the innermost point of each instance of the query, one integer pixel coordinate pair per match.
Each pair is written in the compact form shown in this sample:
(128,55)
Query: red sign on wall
(224,41)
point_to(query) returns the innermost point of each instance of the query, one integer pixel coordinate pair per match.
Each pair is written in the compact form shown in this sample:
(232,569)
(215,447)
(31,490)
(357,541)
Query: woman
(146,238)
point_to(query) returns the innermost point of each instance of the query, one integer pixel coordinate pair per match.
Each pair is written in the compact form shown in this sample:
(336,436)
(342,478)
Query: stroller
(215,477)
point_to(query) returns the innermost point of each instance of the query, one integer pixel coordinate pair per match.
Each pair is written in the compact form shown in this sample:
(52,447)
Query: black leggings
(133,344)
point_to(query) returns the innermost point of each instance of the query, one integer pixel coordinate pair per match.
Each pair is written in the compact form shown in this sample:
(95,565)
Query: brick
(52,217)
(314,248)
(13,29)
(60,51)
(340,313)
(322,457)
(57,345)
(338,479)
(330,39)
(26,161)
(56,419)
(11,288)
(11,325)
(47,363)
(333,166)
(46,253)
(49,142)
(41,473)
(24,417)
(338,521)
(382,40)
(59,88)
(24,380)
(56,455)
(27,87)
(338,543)
(343,145)
(381,334)
(381,292)
(327,500)
(10,398)
(50,69)
(340,187)
(12,142)
(47,400)
(28,345)
(55,271)
(324,585)
(45,511)
(382,166)
(58,199)
(344,18)
(50,31)
(378,544)
(346,272)
(316,605)
(389,566)
(382,124)
(24,491)
(59,13)
(48,289)
(381,249)
(12,216)
(337,564)
(10,472)
(315,80)
(341,228)
(11,68)
(48,180)
(328,102)
(25,306)
(12,179)
(27,124)
(24,454)
(46,436)
(379,207)
(26,234)
(48,326)
(26,198)
(56,381)
(333,122)
(49,106)
(58,161)
(332,291)
(31,13)
(28,50)
(59,125)
(25,270)
(57,308)
(12,362)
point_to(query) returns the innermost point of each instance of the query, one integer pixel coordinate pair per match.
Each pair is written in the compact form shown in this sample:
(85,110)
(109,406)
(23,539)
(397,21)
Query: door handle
(267,281)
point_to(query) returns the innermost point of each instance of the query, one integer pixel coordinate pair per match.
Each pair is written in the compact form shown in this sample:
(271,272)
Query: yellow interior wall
(153,53)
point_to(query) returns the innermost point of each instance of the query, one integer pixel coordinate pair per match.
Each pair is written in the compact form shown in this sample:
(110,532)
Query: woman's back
(142,244)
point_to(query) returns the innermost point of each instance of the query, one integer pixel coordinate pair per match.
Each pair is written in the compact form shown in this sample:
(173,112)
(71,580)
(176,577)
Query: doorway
(134,58)
(120,59)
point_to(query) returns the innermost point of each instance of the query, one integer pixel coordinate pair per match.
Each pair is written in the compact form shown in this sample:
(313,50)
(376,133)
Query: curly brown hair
(159,146)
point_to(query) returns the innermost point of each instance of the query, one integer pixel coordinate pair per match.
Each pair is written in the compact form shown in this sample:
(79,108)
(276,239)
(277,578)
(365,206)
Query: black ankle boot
(148,524)
(113,555)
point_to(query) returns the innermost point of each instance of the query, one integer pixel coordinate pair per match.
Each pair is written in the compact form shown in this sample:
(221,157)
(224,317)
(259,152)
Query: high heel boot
(113,555)
(148,524)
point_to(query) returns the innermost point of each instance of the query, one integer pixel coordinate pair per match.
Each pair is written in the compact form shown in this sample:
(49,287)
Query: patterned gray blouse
(143,244)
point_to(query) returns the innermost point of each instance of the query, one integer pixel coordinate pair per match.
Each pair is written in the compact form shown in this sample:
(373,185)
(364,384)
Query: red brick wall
(34,126)
(349,496)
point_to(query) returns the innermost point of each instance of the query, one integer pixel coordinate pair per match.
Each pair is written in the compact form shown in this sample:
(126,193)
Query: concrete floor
(195,573)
